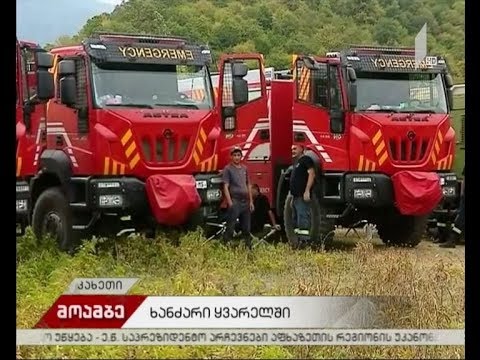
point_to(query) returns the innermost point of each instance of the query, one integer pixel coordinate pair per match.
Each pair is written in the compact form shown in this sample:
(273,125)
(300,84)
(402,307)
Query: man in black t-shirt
(301,183)
(459,224)
(262,213)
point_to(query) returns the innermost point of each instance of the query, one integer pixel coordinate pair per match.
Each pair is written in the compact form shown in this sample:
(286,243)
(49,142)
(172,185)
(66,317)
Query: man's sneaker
(451,239)
(447,244)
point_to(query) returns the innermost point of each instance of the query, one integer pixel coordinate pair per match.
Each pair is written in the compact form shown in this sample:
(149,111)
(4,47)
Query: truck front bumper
(128,195)
(376,190)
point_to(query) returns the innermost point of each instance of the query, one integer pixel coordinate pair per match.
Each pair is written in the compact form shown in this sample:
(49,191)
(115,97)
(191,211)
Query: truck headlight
(110,200)
(214,194)
(362,193)
(22,205)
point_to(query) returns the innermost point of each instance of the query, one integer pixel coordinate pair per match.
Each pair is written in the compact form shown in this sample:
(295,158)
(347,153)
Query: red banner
(90,311)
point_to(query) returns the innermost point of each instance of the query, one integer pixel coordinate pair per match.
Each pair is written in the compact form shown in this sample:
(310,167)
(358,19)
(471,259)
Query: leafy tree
(388,32)
(278,28)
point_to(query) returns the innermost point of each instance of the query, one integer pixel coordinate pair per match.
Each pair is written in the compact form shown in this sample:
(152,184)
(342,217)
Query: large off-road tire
(401,230)
(52,215)
(321,230)
(196,220)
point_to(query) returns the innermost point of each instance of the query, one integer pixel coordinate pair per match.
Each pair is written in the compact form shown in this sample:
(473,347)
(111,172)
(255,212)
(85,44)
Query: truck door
(68,117)
(30,112)
(244,115)
(318,111)
(20,127)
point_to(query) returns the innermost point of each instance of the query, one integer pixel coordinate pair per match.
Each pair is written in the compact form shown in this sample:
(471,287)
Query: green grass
(434,284)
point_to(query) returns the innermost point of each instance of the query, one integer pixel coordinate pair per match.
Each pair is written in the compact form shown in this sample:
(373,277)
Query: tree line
(280,28)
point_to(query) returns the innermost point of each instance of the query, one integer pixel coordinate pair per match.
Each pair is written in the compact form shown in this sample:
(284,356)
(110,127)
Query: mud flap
(173,198)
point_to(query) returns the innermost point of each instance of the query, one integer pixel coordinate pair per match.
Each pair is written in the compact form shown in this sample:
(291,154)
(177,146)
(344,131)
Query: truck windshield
(133,85)
(401,92)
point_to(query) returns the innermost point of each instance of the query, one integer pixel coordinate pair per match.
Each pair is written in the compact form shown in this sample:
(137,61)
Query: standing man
(301,183)
(236,187)
(459,225)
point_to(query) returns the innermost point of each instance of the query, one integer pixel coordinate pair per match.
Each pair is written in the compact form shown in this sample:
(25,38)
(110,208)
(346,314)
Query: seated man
(262,214)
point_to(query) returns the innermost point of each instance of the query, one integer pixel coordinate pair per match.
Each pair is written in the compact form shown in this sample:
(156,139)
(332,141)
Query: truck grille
(404,150)
(165,149)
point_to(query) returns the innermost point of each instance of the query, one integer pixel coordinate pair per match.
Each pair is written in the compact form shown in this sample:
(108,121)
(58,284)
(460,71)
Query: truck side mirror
(44,60)
(45,85)
(68,90)
(450,98)
(239,85)
(239,70)
(449,84)
(240,91)
(68,84)
(449,80)
(352,95)
(351,74)
(66,67)
(337,121)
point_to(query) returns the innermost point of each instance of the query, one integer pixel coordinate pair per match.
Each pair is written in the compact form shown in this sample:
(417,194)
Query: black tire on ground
(321,230)
(196,220)
(401,230)
(52,215)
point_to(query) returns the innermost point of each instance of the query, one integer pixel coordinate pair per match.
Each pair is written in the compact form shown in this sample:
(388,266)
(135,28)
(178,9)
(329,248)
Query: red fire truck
(377,125)
(125,144)
(34,86)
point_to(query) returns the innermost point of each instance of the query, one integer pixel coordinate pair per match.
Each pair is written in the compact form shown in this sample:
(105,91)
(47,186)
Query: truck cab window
(320,86)
(152,85)
(325,88)
(28,67)
(335,94)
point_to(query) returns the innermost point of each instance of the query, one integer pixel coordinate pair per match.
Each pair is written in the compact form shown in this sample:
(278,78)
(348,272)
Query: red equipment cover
(173,198)
(417,193)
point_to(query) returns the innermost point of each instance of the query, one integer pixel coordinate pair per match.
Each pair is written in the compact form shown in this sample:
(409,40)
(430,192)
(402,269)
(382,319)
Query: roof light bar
(358,49)
(122,37)
(333,54)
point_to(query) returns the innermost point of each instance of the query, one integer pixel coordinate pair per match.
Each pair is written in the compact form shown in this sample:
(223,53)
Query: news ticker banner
(99,311)
(254,337)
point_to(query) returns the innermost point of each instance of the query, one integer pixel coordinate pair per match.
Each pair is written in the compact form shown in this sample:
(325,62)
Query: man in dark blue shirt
(301,183)
(238,196)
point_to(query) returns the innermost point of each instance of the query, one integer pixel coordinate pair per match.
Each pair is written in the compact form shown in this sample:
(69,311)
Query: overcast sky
(44,21)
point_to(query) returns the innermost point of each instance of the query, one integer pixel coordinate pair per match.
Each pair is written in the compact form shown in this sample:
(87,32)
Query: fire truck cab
(127,144)
(378,128)
(377,125)
(34,87)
